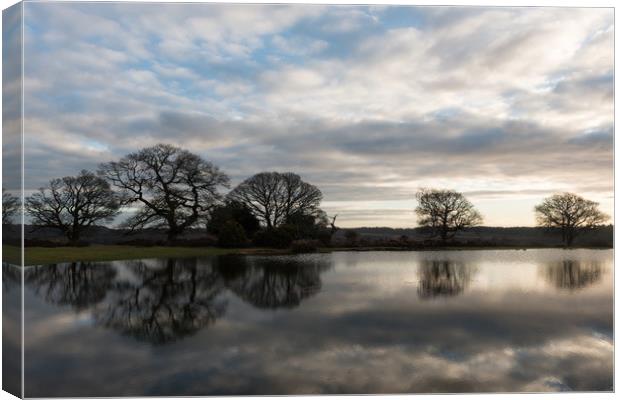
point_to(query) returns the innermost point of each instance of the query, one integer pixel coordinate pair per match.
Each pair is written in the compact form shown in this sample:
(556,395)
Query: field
(45,255)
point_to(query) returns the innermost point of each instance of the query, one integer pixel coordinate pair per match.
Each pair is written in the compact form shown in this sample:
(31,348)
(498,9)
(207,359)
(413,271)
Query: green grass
(45,255)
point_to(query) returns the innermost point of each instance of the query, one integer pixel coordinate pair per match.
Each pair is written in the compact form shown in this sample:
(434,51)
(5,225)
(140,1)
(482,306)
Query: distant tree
(174,188)
(445,212)
(274,197)
(73,203)
(10,206)
(232,211)
(570,213)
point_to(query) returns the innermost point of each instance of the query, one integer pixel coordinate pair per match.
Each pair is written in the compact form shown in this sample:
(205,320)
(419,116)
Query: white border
(552,3)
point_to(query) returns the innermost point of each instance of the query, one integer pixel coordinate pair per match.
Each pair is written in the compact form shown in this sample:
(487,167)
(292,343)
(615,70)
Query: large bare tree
(10,207)
(570,213)
(73,203)
(445,212)
(174,187)
(274,197)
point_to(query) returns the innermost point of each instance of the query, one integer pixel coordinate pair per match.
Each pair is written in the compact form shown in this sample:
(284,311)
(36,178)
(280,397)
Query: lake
(345,322)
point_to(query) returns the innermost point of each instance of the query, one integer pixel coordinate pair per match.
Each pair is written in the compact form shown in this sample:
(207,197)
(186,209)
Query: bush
(207,241)
(351,237)
(232,211)
(280,237)
(305,246)
(232,234)
(325,237)
(141,242)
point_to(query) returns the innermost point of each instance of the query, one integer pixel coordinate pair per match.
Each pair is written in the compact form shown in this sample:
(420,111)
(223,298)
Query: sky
(507,105)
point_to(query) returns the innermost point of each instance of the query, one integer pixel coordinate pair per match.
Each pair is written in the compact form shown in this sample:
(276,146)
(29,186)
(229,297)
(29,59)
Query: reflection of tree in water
(164,300)
(79,285)
(268,282)
(163,303)
(11,277)
(571,274)
(442,278)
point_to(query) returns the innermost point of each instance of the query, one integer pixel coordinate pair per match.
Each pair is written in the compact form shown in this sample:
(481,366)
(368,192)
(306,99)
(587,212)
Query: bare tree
(569,212)
(10,206)
(332,227)
(73,203)
(174,188)
(445,212)
(274,197)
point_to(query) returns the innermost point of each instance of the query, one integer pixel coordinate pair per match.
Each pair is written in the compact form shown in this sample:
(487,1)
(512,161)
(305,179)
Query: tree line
(173,189)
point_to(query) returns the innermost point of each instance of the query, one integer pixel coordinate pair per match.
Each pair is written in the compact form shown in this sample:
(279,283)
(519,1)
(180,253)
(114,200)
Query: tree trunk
(444,235)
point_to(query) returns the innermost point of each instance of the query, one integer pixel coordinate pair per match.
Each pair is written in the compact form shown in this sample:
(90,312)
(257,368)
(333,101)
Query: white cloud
(463,97)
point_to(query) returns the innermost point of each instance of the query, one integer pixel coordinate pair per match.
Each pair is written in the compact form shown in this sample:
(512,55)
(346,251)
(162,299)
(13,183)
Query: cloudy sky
(507,105)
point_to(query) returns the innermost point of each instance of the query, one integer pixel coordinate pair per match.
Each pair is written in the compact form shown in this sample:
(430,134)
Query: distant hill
(509,236)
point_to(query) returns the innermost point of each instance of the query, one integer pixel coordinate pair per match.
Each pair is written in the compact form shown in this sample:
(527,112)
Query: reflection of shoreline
(443,278)
(164,300)
(573,275)
(106,253)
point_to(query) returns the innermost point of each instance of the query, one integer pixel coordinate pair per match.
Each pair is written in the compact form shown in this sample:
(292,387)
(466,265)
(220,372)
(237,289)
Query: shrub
(351,237)
(324,236)
(207,241)
(232,234)
(280,237)
(304,246)
(232,211)
(142,242)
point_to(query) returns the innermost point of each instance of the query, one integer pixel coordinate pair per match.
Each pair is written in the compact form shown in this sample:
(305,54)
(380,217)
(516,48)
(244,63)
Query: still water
(348,322)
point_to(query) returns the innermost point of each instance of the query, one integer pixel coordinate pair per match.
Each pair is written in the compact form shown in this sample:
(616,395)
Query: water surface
(348,322)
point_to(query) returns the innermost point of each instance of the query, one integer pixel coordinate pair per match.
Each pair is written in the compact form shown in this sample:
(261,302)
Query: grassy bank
(51,255)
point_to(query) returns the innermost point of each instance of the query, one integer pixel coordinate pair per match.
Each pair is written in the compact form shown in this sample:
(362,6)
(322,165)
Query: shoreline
(101,253)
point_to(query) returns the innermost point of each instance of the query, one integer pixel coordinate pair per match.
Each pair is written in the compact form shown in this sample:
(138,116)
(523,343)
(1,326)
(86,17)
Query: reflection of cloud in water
(389,342)
(11,329)
(418,370)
